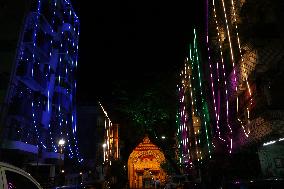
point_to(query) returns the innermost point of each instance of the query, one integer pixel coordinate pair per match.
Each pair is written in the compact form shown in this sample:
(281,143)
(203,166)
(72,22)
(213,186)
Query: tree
(148,107)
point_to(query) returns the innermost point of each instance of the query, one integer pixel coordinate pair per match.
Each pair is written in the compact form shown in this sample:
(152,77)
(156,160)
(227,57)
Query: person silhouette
(157,184)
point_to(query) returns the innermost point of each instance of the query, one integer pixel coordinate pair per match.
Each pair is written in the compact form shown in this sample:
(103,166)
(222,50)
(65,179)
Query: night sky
(130,41)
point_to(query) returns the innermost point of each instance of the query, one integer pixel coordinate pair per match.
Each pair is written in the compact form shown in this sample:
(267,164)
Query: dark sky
(130,40)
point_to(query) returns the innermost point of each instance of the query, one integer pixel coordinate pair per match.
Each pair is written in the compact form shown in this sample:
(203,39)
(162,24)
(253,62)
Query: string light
(191,77)
(210,66)
(247,110)
(193,92)
(225,83)
(242,62)
(108,143)
(62,118)
(38,140)
(230,44)
(204,105)
(182,118)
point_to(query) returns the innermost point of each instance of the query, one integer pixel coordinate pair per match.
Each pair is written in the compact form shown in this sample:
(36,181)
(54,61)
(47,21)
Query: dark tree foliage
(149,107)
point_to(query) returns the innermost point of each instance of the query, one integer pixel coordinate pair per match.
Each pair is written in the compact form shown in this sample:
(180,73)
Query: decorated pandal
(144,165)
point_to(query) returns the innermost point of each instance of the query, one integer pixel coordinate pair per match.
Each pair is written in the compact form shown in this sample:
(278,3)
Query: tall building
(245,66)
(11,19)
(40,107)
(98,139)
(194,139)
(242,64)
(111,149)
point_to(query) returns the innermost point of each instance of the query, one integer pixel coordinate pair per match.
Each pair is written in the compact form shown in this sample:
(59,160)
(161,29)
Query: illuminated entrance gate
(144,165)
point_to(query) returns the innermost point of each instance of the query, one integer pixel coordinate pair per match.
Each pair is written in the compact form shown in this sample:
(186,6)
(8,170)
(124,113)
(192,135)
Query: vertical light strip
(224,76)
(201,94)
(222,68)
(239,44)
(242,62)
(236,27)
(230,44)
(184,113)
(194,108)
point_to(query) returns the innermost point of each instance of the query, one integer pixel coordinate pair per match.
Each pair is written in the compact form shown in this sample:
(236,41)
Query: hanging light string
(179,132)
(203,102)
(183,120)
(191,97)
(75,83)
(210,69)
(225,83)
(233,63)
(188,86)
(49,108)
(178,118)
(239,44)
(234,70)
(231,48)
(242,65)
(37,104)
(184,115)
(223,71)
(33,104)
(108,126)
(236,28)
(250,99)
(65,75)
(66,123)
(191,88)
(247,111)
(194,101)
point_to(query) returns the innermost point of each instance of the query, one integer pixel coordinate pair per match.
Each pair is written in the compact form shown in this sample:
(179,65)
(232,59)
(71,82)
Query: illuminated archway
(144,164)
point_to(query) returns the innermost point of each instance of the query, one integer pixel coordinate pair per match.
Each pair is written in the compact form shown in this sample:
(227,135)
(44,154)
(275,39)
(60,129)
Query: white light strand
(230,44)
(224,73)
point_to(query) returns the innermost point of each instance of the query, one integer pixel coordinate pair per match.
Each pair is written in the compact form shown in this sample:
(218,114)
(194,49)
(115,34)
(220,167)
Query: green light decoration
(202,107)
(192,118)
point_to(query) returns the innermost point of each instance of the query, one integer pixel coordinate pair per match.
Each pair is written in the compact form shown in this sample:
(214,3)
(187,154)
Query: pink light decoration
(225,83)
(183,127)
(230,44)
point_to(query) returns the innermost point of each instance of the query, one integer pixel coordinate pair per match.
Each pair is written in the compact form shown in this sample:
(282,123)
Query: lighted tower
(41,106)
(111,138)
(193,117)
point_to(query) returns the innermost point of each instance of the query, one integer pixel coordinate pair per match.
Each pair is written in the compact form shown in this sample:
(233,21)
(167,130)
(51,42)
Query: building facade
(240,73)
(40,103)
(250,55)
(98,141)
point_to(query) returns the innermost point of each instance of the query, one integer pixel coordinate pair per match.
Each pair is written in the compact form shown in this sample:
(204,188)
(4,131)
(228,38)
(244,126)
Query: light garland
(182,119)
(192,84)
(248,111)
(225,84)
(242,61)
(201,94)
(235,85)
(195,115)
(39,141)
(230,44)
(62,120)
(108,143)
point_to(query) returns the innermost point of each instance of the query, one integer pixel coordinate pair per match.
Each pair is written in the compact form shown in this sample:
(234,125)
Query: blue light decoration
(42,92)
